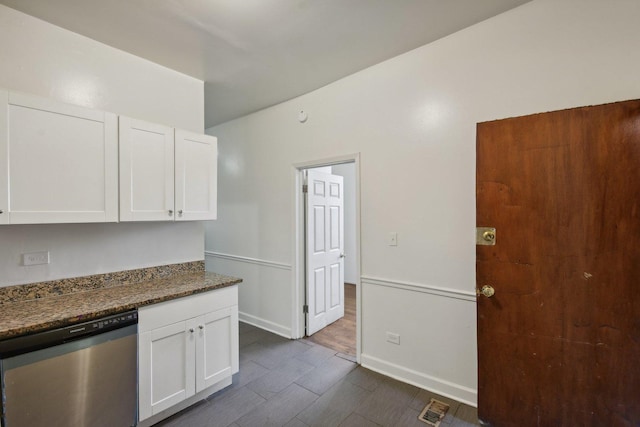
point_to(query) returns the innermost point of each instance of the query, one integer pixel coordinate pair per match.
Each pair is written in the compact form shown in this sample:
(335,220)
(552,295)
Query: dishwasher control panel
(31,342)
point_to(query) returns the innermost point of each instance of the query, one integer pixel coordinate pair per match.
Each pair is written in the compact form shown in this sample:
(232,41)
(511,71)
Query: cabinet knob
(191,330)
(180,212)
(170,212)
(201,326)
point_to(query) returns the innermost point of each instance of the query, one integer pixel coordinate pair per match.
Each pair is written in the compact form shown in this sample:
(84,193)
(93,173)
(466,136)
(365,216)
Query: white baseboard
(267,325)
(445,388)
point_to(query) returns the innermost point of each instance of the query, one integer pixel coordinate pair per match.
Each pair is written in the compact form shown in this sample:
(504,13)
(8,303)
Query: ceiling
(252,54)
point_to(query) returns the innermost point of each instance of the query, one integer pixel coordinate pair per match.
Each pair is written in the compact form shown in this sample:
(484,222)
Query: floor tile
(280,377)
(279,410)
(335,405)
(460,423)
(316,355)
(249,338)
(271,355)
(409,418)
(355,420)
(228,407)
(245,327)
(251,351)
(249,371)
(323,377)
(349,357)
(465,416)
(365,378)
(195,416)
(295,423)
(388,402)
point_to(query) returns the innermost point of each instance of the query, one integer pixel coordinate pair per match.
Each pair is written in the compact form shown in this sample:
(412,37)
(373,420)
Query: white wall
(45,60)
(413,121)
(348,172)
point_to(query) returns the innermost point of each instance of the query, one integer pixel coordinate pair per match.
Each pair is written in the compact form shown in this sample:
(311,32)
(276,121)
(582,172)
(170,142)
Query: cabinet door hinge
(305,308)
(305,188)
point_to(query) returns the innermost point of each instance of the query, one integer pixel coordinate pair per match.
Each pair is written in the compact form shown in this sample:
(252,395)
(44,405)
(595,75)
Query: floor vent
(433,413)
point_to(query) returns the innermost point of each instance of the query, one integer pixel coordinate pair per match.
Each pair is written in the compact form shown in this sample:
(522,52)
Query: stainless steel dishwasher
(84,375)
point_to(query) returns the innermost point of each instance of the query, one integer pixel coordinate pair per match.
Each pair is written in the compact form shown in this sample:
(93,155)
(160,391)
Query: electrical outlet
(393,239)
(393,338)
(35,258)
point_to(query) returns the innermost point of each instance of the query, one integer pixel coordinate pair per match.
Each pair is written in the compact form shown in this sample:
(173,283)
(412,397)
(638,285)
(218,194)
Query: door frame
(298,264)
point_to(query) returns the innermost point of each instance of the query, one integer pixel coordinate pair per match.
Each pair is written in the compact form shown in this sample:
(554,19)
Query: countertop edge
(117,307)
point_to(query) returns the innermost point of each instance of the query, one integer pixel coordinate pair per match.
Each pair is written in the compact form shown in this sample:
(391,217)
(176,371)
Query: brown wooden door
(559,342)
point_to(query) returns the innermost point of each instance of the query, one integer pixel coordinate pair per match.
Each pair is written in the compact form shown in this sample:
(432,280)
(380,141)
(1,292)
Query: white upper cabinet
(166,174)
(58,162)
(61,163)
(196,176)
(146,171)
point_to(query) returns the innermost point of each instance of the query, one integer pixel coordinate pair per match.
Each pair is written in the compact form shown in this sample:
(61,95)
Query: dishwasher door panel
(86,383)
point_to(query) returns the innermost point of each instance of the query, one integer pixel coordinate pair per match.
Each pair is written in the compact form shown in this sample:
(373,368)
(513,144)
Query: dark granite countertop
(26,316)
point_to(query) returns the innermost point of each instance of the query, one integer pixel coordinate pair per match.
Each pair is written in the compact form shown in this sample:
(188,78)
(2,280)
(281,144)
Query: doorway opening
(327,254)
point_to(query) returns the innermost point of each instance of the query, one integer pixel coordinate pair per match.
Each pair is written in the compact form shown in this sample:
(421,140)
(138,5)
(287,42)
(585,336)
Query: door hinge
(305,188)
(305,308)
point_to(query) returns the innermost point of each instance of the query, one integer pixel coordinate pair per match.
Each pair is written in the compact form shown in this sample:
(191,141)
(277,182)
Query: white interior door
(325,249)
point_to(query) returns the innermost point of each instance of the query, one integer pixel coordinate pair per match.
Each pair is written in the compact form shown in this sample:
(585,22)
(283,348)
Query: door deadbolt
(485,236)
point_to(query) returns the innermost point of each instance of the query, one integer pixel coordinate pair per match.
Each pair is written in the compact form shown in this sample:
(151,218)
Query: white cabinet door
(167,367)
(59,162)
(216,347)
(146,171)
(196,176)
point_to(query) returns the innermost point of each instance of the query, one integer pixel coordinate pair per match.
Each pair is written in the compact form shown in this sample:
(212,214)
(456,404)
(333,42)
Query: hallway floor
(298,383)
(341,334)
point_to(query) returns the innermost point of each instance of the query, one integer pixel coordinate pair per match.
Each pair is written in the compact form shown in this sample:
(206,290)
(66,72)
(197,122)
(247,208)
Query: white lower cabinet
(187,347)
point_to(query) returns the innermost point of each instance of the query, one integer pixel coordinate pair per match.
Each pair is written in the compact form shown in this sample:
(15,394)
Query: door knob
(486,290)
(342,255)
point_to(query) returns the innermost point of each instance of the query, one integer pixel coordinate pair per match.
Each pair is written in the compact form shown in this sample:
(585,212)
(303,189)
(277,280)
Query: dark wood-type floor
(341,334)
(298,383)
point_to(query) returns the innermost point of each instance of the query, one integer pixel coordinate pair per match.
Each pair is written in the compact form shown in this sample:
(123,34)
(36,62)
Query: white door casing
(324,249)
